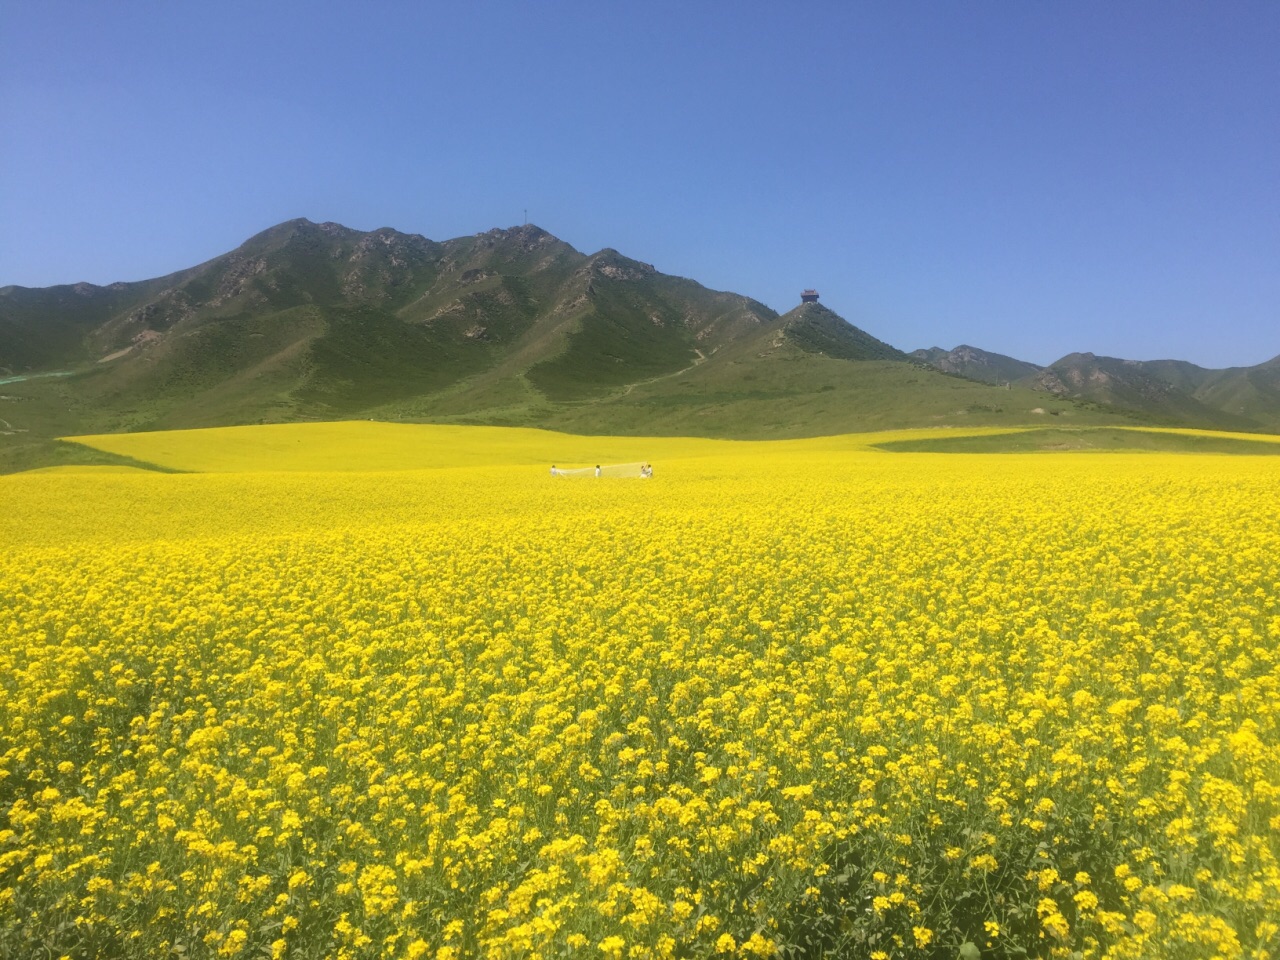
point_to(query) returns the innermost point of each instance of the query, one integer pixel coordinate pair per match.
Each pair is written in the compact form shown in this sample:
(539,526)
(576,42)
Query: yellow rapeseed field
(391,691)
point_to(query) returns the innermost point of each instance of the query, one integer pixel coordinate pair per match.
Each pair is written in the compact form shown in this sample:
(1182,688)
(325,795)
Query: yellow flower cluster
(822,699)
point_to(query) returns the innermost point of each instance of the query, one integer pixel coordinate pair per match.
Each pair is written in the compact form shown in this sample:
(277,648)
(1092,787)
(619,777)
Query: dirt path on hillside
(702,358)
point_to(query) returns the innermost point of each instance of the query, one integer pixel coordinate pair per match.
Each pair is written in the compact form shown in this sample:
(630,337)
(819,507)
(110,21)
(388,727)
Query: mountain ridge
(514,326)
(977,364)
(1231,398)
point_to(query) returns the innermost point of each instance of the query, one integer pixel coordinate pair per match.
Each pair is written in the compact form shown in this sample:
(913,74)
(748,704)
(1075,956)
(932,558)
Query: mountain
(42,328)
(512,326)
(1171,391)
(320,320)
(815,329)
(977,364)
(1250,392)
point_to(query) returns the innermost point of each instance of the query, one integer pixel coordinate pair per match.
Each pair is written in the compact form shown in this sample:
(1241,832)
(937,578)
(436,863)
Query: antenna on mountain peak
(526,216)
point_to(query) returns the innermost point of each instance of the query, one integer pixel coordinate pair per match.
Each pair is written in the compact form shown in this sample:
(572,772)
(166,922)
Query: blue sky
(1032,178)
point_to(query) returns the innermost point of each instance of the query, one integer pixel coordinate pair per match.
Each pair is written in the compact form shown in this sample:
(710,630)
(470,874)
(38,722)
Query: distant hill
(512,326)
(977,364)
(1172,392)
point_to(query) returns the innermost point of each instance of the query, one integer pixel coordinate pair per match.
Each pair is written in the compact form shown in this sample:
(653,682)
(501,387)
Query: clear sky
(1031,178)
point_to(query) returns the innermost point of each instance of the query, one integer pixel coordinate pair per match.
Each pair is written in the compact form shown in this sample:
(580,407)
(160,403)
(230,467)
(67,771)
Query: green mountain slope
(46,328)
(815,329)
(318,321)
(1249,392)
(1167,391)
(794,393)
(1170,392)
(977,364)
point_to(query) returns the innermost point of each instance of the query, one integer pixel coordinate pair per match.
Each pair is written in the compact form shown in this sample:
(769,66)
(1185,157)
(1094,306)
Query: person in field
(597,469)
(554,471)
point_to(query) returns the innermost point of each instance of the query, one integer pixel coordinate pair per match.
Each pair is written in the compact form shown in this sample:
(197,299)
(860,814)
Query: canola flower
(822,700)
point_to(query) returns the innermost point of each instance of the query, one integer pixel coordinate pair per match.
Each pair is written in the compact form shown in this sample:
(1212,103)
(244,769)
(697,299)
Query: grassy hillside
(514,327)
(977,364)
(1152,391)
(310,320)
(1249,392)
(815,329)
(778,388)
(1170,392)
